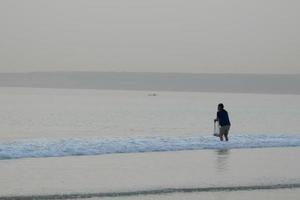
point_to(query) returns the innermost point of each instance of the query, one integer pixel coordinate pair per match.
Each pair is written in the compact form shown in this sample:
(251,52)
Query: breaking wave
(38,148)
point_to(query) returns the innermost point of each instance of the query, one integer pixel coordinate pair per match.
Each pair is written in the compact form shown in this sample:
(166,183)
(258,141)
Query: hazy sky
(201,36)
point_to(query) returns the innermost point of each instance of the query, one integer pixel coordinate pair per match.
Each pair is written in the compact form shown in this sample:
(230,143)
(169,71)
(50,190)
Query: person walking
(224,122)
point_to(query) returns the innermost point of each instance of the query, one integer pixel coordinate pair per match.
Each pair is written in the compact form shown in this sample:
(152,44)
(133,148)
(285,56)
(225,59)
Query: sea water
(71,122)
(63,143)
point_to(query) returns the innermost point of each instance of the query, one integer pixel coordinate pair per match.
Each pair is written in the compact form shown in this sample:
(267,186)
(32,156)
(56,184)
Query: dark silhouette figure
(224,122)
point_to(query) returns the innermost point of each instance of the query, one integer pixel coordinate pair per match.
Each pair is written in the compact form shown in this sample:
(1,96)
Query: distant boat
(152,94)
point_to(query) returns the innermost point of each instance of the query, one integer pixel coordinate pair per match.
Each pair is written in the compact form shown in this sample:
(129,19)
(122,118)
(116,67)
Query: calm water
(39,122)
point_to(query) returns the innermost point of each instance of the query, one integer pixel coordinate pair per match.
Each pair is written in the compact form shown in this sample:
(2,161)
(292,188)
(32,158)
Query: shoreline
(198,170)
(159,192)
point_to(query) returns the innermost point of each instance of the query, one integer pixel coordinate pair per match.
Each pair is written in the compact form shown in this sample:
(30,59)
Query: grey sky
(201,36)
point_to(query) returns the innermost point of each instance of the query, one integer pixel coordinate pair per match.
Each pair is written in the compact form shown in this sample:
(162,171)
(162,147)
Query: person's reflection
(222,159)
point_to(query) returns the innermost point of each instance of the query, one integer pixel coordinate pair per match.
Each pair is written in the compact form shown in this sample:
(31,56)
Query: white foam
(36,148)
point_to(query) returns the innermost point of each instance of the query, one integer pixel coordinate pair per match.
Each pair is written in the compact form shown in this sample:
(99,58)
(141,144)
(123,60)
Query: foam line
(37,148)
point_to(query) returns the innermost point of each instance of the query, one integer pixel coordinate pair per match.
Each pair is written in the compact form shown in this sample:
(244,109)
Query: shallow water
(40,123)
(37,148)
(180,172)
(65,113)
(64,122)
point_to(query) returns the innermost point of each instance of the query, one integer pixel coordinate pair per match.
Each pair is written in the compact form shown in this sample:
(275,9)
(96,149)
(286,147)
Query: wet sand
(183,175)
(287,194)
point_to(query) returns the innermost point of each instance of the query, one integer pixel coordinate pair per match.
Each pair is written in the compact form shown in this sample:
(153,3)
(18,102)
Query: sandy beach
(290,194)
(243,172)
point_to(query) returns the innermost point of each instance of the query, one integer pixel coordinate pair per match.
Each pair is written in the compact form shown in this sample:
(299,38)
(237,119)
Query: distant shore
(183,82)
